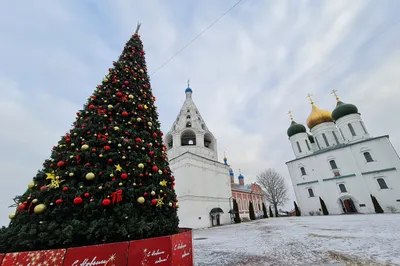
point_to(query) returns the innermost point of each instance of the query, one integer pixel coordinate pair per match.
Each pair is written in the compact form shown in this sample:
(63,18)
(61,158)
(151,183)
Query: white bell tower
(203,183)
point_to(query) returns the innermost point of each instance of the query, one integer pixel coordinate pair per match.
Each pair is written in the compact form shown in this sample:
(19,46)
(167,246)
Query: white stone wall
(327,129)
(201,185)
(358,175)
(356,122)
(302,139)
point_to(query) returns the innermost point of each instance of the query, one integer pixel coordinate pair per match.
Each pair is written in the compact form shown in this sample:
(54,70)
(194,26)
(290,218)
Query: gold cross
(240,171)
(188,83)
(334,92)
(290,115)
(309,97)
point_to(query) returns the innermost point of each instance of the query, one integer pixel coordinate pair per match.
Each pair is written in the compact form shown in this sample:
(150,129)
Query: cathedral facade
(203,184)
(341,164)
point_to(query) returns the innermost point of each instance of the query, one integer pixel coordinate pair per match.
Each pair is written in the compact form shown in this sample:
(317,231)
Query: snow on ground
(362,239)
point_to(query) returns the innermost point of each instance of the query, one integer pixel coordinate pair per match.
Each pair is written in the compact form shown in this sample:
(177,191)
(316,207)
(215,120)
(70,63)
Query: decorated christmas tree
(108,179)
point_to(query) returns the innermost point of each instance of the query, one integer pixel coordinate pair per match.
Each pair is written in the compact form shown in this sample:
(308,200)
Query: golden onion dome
(318,116)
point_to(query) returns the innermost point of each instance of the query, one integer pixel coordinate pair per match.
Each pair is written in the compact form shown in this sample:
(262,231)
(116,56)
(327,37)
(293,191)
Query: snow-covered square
(372,239)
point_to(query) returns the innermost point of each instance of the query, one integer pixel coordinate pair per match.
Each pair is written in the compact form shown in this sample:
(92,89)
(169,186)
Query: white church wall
(356,123)
(299,144)
(331,133)
(354,172)
(201,182)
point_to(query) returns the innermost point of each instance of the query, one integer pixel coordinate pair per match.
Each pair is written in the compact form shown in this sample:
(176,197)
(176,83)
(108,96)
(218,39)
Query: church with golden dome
(338,164)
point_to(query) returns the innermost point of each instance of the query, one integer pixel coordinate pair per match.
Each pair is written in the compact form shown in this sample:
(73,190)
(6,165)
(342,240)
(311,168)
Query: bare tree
(274,187)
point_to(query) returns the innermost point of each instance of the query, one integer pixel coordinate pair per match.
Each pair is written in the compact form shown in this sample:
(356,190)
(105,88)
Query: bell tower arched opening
(188,138)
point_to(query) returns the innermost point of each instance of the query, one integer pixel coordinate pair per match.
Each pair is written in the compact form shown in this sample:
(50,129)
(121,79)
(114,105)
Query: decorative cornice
(307,183)
(379,171)
(338,177)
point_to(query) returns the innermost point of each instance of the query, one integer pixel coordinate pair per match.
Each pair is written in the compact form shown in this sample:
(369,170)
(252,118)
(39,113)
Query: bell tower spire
(189,132)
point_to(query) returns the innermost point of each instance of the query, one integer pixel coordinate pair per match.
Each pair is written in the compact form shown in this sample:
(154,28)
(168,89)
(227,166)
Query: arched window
(368,157)
(298,146)
(188,124)
(319,147)
(311,193)
(188,110)
(336,138)
(303,171)
(308,145)
(333,164)
(239,202)
(342,188)
(188,137)
(202,126)
(325,139)
(363,126)
(188,117)
(170,143)
(382,183)
(353,133)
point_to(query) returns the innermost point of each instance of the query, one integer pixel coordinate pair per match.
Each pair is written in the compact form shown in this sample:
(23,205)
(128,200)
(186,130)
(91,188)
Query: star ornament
(118,168)
(160,202)
(163,183)
(50,175)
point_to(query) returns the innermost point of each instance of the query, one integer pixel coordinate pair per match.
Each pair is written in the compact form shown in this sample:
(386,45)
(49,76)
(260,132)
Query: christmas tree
(296,208)
(236,209)
(265,215)
(377,206)
(323,207)
(108,179)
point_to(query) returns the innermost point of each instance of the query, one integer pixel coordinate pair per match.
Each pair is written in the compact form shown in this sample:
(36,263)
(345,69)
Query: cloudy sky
(246,71)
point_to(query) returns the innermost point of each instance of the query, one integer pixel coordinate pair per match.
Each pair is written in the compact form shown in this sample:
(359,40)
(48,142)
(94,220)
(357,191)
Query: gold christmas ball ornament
(31,185)
(120,184)
(150,124)
(11,216)
(100,155)
(116,128)
(160,172)
(39,208)
(100,187)
(177,205)
(71,174)
(119,145)
(90,176)
(139,119)
(140,200)
(35,201)
(109,106)
(84,147)
(141,165)
(72,145)
(153,193)
(170,204)
(123,157)
(130,96)
(111,175)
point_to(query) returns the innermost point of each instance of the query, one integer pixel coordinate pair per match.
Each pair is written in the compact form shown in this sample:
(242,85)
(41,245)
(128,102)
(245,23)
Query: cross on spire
(334,92)
(188,83)
(309,96)
(290,115)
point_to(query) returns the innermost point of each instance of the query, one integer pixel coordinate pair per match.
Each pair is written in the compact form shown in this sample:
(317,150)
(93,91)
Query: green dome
(295,128)
(343,109)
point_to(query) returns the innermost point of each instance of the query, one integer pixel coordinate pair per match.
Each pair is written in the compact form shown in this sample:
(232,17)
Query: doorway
(348,206)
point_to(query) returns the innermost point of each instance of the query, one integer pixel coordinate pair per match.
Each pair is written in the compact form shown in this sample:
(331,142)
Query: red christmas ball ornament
(125,113)
(93,96)
(107,148)
(86,195)
(140,175)
(124,175)
(119,94)
(154,201)
(110,160)
(138,140)
(155,135)
(106,202)
(78,200)
(91,107)
(154,168)
(140,106)
(61,164)
(94,150)
(140,184)
(161,134)
(145,194)
(21,207)
(126,82)
(59,201)
(151,153)
(43,187)
(65,188)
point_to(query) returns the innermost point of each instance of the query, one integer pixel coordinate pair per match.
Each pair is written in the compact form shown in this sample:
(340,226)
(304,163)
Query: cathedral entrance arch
(348,204)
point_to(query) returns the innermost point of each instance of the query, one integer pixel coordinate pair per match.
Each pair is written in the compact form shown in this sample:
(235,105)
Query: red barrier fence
(174,250)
